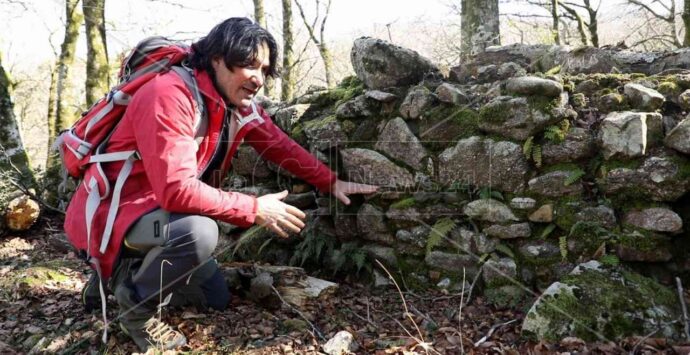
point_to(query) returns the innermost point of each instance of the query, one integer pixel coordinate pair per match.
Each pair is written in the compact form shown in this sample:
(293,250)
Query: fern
(610,260)
(536,155)
(563,246)
(574,176)
(439,231)
(527,147)
(565,126)
(497,195)
(548,230)
(505,250)
(252,234)
(484,257)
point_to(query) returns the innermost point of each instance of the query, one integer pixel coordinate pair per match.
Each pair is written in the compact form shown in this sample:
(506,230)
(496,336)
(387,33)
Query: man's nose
(258,78)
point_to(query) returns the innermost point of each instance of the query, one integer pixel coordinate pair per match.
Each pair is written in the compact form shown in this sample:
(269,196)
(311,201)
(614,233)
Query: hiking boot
(138,320)
(91,294)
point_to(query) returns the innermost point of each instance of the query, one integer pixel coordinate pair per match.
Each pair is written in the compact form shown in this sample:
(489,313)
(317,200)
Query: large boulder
(370,167)
(398,141)
(380,64)
(588,304)
(484,162)
(520,117)
(624,134)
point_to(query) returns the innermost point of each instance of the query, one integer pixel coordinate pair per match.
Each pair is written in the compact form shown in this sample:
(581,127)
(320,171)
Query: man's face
(239,85)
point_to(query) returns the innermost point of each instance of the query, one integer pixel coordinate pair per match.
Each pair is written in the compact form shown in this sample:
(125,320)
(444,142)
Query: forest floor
(40,312)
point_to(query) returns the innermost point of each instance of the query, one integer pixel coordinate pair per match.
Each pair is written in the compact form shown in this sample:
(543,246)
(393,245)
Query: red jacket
(159,124)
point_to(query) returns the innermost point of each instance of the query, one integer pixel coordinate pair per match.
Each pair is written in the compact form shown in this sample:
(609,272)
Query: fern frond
(536,155)
(439,231)
(247,238)
(548,230)
(527,147)
(573,177)
(563,246)
(505,250)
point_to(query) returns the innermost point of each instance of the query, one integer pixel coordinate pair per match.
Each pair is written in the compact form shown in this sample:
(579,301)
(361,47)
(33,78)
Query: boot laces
(160,332)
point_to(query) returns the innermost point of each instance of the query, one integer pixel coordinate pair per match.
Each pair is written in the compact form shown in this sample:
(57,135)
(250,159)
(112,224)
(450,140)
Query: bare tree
(660,25)
(554,16)
(320,42)
(97,69)
(480,25)
(287,91)
(583,14)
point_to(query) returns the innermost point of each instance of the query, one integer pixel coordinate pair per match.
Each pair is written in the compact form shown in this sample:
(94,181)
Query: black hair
(236,40)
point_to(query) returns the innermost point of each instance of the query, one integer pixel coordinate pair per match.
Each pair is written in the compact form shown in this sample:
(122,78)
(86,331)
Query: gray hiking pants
(171,253)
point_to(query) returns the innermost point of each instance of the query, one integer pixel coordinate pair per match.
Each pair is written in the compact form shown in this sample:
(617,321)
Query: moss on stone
(348,126)
(541,104)
(669,88)
(507,296)
(595,304)
(320,123)
(347,89)
(39,275)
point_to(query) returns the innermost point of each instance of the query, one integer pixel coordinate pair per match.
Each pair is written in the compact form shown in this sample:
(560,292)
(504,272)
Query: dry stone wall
(524,163)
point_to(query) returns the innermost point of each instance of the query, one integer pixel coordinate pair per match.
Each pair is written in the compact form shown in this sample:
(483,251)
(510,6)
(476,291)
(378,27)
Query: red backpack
(89,135)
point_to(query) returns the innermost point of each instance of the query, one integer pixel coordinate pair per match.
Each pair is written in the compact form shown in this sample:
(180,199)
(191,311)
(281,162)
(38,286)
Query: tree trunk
(480,26)
(97,70)
(66,100)
(14,162)
(67,109)
(260,18)
(593,25)
(327,64)
(52,113)
(554,17)
(686,23)
(288,83)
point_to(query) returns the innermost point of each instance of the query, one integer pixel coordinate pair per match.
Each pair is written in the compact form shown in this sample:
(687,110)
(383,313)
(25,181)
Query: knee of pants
(197,232)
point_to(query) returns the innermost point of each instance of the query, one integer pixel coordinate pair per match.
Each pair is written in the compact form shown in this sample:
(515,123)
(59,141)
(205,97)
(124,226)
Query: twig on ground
(476,277)
(420,314)
(684,308)
(634,350)
(316,330)
(491,332)
(368,313)
(462,294)
(364,319)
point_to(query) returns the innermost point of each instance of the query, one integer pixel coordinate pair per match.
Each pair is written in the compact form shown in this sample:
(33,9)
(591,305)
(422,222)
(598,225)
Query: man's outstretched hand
(341,189)
(277,215)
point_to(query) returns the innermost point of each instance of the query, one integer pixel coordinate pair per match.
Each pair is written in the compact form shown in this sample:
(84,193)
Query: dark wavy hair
(236,40)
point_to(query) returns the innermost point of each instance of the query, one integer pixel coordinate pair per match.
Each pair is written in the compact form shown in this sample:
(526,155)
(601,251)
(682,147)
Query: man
(172,191)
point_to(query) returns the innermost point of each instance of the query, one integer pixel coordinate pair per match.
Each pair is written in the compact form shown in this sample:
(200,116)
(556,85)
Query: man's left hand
(341,189)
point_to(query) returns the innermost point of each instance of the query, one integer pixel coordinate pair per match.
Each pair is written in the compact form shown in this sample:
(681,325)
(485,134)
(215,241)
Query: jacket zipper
(217,147)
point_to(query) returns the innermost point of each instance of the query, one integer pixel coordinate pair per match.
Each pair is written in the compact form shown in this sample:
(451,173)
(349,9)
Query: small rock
(684,100)
(520,230)
(444,284)
(489,210)
(553,184)
(523,203)
(380,96)
(543,215)
(643,98)
(448,93)
(655,219)
(679,137)
(531,85)
(499,272)
(341,343)
(416,101)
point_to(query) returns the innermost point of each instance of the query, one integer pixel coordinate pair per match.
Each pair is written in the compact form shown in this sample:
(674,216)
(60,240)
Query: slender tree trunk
(593,25)
(554,17)
(580,23)
(480,26)
(67,110)
(686,23)
(14,162)
(52,98)
(97,70)
(320,42)
(287,90)
(260,18)
(66,101)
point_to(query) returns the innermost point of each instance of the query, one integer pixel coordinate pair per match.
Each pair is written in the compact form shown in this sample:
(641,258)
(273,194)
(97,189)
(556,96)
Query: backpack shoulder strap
(201,114)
